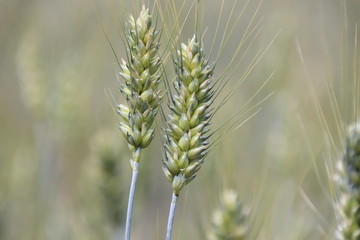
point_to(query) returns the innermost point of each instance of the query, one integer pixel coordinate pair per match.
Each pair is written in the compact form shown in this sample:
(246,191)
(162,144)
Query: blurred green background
(64,169)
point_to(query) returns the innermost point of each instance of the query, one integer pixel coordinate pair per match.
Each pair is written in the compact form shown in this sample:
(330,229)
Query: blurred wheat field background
(64,166)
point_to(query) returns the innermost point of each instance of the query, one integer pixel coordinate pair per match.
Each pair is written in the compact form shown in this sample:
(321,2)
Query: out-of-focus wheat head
(69,79)
(186,145)
(349,182)
(141,73)
(229,220)
(32,79)
(102,184)
(108,155)
(54,96)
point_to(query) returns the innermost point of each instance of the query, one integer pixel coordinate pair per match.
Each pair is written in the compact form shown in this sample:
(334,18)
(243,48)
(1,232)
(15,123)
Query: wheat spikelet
(349,183)
(141,74)
(229,220)
(186,145)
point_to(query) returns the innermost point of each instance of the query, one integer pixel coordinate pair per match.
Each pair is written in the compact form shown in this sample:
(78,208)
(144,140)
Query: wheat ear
(349,181)
(229,220)
(185,145)
(141,74)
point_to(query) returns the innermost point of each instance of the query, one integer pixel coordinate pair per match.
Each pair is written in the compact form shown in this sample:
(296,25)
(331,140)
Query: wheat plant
(349,182)
(186,133)
(141,74)
(229,220)
(102,192)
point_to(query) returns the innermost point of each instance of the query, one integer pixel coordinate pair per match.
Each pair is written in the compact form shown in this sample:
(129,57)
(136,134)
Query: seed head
(101,188)
(185,146)
(31,74)
(349,173)
(141,74)
(352,160)
(228,221)
(348,218)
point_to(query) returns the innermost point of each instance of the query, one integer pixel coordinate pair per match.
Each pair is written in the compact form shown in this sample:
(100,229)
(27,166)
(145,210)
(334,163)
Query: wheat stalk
(186,146)
(229,220)
(349,183)
(141,74)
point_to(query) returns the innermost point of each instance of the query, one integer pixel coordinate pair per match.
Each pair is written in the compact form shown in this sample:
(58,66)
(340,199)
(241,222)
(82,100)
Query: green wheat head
(186,145)
(110,178)
(102,191)
(348,208)
(229,220)
(141,74)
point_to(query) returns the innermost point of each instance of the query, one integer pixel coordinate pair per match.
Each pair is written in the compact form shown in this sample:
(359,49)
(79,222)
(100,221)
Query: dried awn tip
(348,207)
(141,74)
(186,145)
(229,220)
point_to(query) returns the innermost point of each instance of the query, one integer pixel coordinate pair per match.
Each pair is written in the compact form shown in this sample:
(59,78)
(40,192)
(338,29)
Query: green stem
(171,216)
(135,166)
